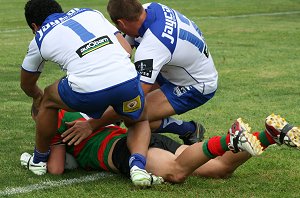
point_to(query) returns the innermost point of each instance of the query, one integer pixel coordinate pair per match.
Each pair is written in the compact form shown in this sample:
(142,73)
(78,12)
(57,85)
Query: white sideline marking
(204,17)
(50,184)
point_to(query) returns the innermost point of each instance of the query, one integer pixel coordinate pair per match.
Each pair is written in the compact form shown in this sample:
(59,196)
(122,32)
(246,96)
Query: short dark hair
(124,9)
(36,11)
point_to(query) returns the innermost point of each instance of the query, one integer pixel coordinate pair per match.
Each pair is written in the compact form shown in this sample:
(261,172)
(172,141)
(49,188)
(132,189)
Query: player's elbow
(55,170)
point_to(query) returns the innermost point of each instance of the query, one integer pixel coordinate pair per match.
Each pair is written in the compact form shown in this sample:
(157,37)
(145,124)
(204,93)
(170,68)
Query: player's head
(36,11)
(124,9)
(126,14)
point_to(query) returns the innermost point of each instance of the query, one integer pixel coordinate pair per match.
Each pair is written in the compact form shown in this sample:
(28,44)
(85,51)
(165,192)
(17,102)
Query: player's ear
(34,27)
(121,24)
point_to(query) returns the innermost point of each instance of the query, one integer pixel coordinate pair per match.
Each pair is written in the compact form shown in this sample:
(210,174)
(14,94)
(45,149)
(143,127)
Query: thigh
(161,162)
(158,106)
(52,99)
(222,166)
(93,104)
(183,98)
(161,156)
(161,150)
(129,99)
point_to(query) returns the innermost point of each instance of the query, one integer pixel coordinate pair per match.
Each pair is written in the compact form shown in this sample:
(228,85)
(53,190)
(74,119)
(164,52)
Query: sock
(138,160)
(40,157)
(265,138)
(179,127)
(216,146)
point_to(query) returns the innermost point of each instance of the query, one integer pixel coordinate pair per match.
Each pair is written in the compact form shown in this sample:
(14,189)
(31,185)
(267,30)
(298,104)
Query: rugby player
(171,51)
(106,149)
(99,71)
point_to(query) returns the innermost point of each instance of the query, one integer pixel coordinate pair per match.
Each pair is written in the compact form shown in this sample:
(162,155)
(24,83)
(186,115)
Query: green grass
(257,57)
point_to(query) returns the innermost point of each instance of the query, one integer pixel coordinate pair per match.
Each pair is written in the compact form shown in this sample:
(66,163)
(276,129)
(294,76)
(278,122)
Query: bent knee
(177,178)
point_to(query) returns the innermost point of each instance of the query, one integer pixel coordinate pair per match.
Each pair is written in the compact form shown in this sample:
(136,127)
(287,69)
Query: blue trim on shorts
(95,103)
(182,98)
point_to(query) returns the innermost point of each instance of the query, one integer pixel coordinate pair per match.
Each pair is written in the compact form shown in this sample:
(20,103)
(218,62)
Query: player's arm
(29,86)
(118,34)
(32,66)
(56,160)
(79,130)
(124,43)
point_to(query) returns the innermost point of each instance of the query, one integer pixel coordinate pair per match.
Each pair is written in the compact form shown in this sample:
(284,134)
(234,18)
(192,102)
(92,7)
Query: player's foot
(27,161)
(24,159)
(193,137)
(282,132)
(242,140)
(140,177)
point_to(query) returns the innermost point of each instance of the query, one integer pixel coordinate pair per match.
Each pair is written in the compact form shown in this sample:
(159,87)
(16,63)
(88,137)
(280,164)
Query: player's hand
(78,131)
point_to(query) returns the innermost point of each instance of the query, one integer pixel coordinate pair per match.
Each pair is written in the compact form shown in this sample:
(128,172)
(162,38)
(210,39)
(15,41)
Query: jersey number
(190,37)
(83,33)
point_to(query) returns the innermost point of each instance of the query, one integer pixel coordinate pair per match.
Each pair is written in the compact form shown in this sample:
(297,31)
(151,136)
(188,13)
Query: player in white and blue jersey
(170,50)
(99,75)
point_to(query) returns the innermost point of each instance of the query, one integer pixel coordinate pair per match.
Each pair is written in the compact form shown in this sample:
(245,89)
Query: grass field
(255,46)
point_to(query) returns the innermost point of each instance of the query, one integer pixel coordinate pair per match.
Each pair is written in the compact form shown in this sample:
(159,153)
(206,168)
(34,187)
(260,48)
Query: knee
(47,93)
(179,178)
(176,175)
(48,97)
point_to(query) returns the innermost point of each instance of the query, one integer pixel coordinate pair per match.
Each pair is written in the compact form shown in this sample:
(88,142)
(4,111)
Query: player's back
(83,43)
(176,48)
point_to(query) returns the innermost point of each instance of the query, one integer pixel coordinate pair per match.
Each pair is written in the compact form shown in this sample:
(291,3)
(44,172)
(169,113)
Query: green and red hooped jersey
(92,153)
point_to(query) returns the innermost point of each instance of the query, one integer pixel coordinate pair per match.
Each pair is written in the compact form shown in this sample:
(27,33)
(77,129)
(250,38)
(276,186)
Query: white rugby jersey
(84,44)
(173,45)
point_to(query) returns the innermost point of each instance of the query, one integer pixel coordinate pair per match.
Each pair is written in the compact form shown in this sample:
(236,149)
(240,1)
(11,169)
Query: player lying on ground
(106,149)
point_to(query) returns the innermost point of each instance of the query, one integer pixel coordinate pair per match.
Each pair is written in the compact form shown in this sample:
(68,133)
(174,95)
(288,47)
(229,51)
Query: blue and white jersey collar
(150,19)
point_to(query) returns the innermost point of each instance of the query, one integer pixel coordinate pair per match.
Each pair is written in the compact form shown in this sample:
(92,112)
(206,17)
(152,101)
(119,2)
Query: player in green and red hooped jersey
(106,149)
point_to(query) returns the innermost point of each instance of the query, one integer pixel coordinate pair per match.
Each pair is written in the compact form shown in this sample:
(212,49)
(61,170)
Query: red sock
(218,145)
(265,138)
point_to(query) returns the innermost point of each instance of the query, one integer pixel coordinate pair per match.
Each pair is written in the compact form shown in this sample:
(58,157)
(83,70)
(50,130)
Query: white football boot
(282,132)
(142,178)
(242,140)
(27,162)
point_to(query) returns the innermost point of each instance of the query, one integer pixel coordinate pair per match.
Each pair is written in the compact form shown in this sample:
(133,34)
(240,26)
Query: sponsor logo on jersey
(132,105)
(170,24)
(93,45)
(144,67)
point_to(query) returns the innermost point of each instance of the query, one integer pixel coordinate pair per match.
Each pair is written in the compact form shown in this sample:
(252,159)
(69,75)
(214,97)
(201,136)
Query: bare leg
(175,169)
(161,162)
(223,166)
(139,137)
(191,160)
(139,133)
(157,99)
(46,123)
